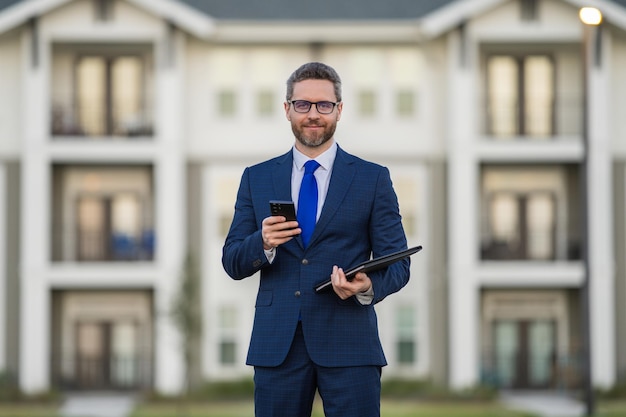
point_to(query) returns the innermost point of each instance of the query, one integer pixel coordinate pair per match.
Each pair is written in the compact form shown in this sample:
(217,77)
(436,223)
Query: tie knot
(311,166)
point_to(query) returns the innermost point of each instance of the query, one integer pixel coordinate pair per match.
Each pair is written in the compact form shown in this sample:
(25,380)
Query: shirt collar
(325,160)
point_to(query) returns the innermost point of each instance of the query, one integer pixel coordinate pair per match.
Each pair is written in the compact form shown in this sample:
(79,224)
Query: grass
(245,408)
(404,408)
(28,410)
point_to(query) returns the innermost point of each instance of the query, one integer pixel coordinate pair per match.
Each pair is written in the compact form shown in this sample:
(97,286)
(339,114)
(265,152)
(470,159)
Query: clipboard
(371,265)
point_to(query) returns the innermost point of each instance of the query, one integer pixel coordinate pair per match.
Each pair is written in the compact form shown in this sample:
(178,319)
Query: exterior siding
(416,104)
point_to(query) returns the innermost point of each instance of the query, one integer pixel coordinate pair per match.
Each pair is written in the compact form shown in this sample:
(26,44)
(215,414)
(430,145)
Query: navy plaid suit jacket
(360,217)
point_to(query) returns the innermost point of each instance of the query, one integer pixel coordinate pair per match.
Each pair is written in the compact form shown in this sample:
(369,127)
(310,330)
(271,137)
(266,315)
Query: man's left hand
(346,289)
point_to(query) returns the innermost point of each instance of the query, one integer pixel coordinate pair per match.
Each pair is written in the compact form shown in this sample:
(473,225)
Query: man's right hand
(276,230)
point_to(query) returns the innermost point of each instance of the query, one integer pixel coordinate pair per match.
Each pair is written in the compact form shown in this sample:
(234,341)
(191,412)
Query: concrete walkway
(543,403)
(98,404)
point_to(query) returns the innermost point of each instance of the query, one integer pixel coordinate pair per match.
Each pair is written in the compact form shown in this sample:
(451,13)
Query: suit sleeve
(387,236)
(243,254)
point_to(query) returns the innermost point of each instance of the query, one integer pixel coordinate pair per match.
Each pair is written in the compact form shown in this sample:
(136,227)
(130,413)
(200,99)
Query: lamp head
(590,16)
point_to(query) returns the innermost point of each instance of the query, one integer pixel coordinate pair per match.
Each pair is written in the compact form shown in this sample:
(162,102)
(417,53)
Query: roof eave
(454,14)
(183,16)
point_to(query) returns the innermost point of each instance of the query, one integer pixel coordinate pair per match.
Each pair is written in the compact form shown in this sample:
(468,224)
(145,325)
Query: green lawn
(245,409)
(27,410)
(389,409)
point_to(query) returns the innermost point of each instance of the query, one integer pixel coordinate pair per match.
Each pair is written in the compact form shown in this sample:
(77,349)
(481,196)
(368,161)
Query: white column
(34,223)
(171,218)
(600,224)
(3,266)
(462,235)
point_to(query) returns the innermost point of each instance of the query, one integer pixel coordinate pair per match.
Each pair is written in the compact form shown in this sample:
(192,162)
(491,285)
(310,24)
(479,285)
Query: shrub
(426,390)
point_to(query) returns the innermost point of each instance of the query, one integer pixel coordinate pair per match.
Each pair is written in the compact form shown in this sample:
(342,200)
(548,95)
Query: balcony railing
(526,371)
(86,246)
(505,119)
(92,121)
(113,372)
(500,250)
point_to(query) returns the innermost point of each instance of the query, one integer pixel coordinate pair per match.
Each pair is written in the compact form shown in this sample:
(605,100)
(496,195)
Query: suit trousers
(289,389)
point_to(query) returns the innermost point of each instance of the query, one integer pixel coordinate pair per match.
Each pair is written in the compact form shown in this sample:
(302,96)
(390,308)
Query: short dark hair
(314,71)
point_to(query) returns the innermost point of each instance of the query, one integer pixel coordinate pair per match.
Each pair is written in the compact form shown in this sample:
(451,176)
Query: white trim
(189,19)
(3,277)
(203,26)
(450,16)
(20,12)
(192,20)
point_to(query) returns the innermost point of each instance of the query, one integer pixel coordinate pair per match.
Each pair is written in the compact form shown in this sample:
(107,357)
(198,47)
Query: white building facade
(125,126)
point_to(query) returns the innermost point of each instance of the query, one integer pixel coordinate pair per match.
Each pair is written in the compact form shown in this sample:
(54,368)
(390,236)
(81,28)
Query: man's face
(313,129)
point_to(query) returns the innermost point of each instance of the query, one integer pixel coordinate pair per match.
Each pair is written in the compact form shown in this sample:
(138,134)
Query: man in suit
(301,340)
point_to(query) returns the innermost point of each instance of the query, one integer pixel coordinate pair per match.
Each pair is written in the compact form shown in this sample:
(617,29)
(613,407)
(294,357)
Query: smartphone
(283,208)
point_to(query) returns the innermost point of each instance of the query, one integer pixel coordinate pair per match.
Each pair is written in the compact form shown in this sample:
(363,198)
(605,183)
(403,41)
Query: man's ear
(339,110)
(286,106)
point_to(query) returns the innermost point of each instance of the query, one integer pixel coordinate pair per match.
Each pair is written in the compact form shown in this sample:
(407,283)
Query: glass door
(524,353)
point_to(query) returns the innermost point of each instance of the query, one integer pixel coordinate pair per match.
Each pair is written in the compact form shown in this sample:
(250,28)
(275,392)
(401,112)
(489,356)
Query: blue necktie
(307,201)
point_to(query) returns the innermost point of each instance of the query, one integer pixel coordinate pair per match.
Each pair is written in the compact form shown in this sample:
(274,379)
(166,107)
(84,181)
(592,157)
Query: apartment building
(125,126)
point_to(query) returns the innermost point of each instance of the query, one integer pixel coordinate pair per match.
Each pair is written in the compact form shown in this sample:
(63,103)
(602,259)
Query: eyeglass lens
(303,106)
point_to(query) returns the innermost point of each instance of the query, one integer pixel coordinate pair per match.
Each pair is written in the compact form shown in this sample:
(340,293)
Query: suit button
(297,293)
(305,262)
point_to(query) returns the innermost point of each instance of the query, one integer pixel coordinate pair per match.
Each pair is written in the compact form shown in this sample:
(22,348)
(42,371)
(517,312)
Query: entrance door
(106,355)
(524,353)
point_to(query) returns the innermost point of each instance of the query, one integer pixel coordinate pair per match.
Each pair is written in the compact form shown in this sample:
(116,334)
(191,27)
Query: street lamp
(590,16)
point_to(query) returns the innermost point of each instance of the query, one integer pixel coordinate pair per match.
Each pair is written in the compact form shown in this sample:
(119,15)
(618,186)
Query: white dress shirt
(322,177)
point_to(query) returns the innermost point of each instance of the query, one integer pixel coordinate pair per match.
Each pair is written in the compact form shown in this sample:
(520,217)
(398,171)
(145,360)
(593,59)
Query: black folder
(371,265)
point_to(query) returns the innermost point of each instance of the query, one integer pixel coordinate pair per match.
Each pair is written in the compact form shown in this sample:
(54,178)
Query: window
(227,103)
(524,353)
(225,194)
(408,191)
(520,96)
(110,96)
(227,329)
(405,103)
(102,213)
(530,212)
(367,103)
(265,103)
(110,228)
(405,331)
(106,354)
(101,90)
(522,226)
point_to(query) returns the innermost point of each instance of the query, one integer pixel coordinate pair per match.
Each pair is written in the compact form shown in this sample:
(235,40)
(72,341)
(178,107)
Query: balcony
(527,371)
(102,213)
(86,372)
(92,122)
(102,91)
(530,212)
(496,249)
(531,92)
(510,119)
(93,246)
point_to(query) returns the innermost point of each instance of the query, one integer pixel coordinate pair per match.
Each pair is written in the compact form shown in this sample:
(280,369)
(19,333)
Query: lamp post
(589,16)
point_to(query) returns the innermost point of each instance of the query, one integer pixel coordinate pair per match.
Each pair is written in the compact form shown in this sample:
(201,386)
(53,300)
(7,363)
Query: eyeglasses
(304,106)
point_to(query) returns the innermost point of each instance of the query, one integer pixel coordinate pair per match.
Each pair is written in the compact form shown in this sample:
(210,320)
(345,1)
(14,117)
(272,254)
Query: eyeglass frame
(311,103)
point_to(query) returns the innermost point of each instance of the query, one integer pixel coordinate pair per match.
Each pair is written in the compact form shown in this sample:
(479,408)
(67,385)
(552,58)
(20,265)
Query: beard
(312,139)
